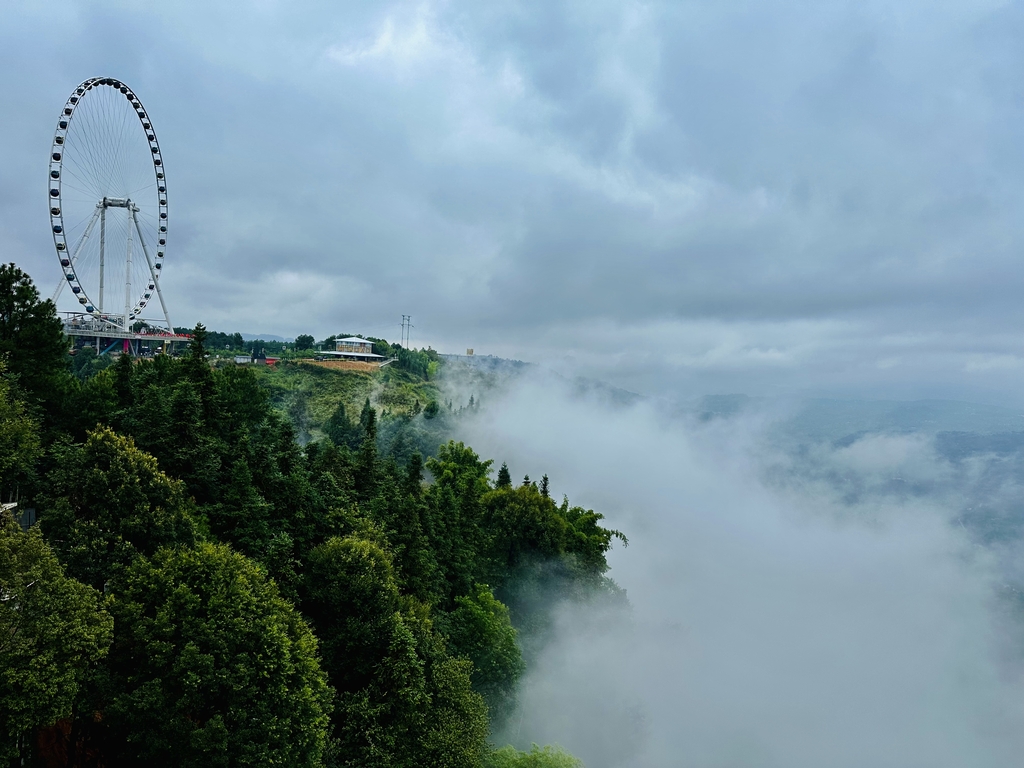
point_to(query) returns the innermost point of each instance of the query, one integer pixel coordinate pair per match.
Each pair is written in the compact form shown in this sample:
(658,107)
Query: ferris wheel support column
(128,272)
(103,240)
(152,273)
(74,256)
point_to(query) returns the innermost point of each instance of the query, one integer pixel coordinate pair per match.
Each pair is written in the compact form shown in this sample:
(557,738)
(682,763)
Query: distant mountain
(834,419)
(996,429)
(266,337)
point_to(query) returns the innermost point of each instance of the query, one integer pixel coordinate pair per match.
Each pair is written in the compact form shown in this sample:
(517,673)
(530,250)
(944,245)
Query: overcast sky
(763,197)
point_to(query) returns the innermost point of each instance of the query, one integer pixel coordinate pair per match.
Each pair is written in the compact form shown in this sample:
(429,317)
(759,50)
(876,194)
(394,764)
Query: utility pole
(407,327)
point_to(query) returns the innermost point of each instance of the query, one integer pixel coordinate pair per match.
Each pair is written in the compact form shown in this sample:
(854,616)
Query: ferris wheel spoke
(152,273)
(91,153)
(125,158)
(81,221)
(117,167)
(81,132)
(84,192)
(78,247)
(82,177)
(83,163)
(143,188)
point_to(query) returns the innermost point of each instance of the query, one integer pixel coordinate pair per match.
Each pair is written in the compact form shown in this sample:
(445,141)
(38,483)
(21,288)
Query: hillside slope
(309,394)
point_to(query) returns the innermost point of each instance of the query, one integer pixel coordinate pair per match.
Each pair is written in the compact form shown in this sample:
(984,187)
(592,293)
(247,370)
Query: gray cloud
(720,187)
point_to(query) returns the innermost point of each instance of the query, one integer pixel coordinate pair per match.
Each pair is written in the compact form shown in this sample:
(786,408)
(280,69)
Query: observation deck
(85,324)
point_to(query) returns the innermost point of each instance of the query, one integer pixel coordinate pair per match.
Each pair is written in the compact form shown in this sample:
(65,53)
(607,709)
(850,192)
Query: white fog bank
(772,624)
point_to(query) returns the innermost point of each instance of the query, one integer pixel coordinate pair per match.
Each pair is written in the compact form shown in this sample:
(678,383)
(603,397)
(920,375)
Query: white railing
(85,324)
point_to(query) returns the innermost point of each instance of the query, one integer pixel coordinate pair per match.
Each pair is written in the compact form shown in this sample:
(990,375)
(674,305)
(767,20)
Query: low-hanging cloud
(776,619)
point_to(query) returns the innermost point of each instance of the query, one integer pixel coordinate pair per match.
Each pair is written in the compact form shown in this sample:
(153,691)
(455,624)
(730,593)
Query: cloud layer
(777,618)
(793,196)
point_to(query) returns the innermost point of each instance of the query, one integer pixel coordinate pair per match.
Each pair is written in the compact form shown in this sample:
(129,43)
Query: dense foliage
(421,362)
(32,346)
(225,595)
(51,628)
(537,757)
(210,666)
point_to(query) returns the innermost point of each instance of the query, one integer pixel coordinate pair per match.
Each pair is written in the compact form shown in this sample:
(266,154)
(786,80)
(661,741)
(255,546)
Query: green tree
(107,502)
(414,475)
(244,402)
(32,342)
(366,459)
(211,667)
(524,525)
(94,403)
(183,441)
(87,362)
(368,418)
(537,757)
(402,700)
(242,517)
(304,341)
(454,518)
(480,629)
(537,552)
(197,371)
(19,442)
(397,508)
(341,431)
(352,598)
(369,652)
(504,477)
(456,732)
(51,628)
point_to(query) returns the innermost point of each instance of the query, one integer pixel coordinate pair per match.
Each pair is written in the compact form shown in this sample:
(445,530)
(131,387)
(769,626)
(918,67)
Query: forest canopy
(204,589)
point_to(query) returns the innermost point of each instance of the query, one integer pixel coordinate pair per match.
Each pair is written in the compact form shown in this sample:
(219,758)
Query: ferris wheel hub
(117,202)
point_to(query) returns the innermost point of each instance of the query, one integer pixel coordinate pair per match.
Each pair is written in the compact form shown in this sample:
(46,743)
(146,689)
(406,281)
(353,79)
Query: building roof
(354,340)
(351,354)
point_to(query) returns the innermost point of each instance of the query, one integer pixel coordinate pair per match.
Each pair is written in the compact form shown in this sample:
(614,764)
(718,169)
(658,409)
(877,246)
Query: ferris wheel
(108,203)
